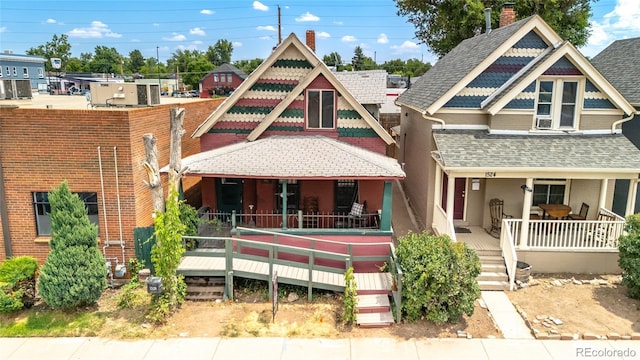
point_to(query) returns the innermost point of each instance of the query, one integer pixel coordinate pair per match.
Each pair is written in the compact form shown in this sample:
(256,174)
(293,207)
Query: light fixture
(524,188)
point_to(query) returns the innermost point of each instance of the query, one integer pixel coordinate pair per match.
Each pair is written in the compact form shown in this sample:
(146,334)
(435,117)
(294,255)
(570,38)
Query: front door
(229,195)
(458,196)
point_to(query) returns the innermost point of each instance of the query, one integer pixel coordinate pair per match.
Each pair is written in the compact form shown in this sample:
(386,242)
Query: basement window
(42,210)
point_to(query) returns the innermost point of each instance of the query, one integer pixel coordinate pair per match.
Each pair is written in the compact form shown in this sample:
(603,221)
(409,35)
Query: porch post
(284,204)
(437,196)
(603,194)
(385,217)
(526,212)
(451,188)
(631,197)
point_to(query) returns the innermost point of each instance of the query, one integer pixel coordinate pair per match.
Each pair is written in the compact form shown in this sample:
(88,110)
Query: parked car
(194,93)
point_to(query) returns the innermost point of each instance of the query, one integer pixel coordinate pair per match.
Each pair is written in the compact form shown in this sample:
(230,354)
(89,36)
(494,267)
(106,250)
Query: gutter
(423,113)
(615,123)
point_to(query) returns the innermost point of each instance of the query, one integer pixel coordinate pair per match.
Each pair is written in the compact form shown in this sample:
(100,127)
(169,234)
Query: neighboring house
(293,151)
(613,62)
(520,115)
(20,75)
(223,80)
(42,147)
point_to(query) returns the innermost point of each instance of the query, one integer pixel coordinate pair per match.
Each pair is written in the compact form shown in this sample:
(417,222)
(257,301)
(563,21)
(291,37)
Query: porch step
(493,285)
(499,260)
(204,288)
(371,320)
(493,268)
(485,252)
(372,304)
(492,276)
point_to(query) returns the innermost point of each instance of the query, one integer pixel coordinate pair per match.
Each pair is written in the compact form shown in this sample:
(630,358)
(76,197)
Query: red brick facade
(40,148)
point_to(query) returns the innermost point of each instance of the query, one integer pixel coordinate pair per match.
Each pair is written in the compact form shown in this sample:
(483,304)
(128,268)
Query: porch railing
(601,234)
(443,225)
(509,254)
(297,220)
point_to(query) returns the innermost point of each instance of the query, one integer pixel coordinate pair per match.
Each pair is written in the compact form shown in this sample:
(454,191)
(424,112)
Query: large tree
(105,60)
(333,59)
(443,24)
(220,53)
(247,66)
(58,47)
(136,61)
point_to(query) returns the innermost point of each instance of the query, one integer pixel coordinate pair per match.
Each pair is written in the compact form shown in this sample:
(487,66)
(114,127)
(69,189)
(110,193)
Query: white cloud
(97,30)
(257,5)
(627,13)
(266,28)
(197,31)
(187,47)
(175,37)
(207,12)
(349,38)
(407,47)
(51,21)
(307,17)
(620,23)
(237,44)
(383,39)
(323,35)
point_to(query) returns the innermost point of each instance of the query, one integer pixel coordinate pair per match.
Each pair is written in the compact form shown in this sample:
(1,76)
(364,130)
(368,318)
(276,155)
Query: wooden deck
(479,239)
(254,269)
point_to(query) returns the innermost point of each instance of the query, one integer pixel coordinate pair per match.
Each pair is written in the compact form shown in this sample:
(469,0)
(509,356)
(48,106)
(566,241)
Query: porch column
(603,193)
(284,204)
(437,196)
(631,197)
(451,188)
(385,217)
(526,212)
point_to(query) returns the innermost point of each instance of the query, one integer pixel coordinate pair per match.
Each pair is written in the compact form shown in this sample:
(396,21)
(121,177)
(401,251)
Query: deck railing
(509,253)
(602,234)
(443,225)
(297,220)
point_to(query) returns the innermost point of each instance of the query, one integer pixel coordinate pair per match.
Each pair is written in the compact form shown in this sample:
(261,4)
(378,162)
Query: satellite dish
(56,63)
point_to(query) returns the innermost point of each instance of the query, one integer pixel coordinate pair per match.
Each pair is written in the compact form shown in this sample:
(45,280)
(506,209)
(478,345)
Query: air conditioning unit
(543,122)
(124,94)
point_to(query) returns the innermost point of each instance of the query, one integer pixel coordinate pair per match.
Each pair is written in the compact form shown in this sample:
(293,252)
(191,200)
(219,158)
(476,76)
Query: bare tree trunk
(153,172)
(175,155)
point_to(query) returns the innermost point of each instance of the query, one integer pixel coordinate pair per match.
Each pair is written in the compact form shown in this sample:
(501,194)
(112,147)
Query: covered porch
(473,167)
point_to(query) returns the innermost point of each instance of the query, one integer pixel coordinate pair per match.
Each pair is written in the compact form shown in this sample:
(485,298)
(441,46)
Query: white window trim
(25,72)
(215,78)
(335,110)
(565,182)
(15,71)
(556,101)
(40,73)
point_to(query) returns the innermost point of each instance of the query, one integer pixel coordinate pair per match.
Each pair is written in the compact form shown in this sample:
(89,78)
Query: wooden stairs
(204,288)
(493,275)
(374,310)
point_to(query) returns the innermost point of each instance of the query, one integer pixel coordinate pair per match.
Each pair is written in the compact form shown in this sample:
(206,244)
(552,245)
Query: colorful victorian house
(292,150)
(221,81)
(520,116)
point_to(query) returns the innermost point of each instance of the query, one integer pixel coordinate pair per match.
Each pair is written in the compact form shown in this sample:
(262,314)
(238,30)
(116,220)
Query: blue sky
(165,26)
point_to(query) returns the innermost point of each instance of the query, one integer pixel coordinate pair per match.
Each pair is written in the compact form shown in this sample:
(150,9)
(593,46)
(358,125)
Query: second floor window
(25,72)
(229,79)
(40,73)
(320,109)
(215,77)
(15,71)
(557,104)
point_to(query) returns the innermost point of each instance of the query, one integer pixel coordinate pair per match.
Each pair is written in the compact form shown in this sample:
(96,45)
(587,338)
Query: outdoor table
(557,211)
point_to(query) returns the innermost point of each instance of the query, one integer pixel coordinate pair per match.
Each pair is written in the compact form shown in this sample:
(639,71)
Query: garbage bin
(523,271)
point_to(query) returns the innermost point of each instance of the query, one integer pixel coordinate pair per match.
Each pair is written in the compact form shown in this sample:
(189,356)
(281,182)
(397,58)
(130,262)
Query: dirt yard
(580,304)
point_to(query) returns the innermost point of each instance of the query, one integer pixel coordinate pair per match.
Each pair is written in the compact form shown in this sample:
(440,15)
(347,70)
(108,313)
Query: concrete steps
(493,274)
(374,310)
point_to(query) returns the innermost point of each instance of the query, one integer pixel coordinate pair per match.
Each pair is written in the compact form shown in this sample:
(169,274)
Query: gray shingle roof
(455,65)
(478,149)
(228,68)
(368,86)
(293,157)
(619,64)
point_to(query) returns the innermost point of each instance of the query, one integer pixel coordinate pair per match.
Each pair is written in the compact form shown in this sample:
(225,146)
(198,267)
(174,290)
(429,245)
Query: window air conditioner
(543,122)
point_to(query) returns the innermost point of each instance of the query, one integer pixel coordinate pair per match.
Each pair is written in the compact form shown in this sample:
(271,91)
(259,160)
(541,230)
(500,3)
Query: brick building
(40,148)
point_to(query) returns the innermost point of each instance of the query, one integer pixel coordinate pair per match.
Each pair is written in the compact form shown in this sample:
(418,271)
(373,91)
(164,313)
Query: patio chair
(496,208)
(582,215)
(357,215)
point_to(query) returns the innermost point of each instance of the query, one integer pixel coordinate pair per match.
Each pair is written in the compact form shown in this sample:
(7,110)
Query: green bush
(18,283)
(75,272)
(629,260)
(439,280)
(350,299)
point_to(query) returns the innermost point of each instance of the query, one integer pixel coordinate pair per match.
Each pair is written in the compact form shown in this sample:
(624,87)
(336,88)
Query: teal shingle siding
(293,63)
(531,41)
(356,132)
(522,104)
(348,114)
(465,102)
(598,104)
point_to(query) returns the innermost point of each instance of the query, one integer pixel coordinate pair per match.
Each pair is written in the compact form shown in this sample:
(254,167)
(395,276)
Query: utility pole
(279,27)
(158,66)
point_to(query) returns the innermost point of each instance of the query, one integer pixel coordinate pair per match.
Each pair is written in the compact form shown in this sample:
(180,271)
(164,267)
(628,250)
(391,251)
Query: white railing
(443,225)
(509,251)
(602,234)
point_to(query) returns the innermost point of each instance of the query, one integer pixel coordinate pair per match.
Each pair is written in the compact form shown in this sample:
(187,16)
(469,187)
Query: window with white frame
(557,103)
(15,71)
(550,191)
(7,71)
(229,78)
(40,73)
(215,77)
(42,209)
(320,109)
(25,72)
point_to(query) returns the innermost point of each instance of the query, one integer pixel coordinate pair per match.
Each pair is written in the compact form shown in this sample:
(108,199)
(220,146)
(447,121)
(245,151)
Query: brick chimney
(311,40)
(507,16)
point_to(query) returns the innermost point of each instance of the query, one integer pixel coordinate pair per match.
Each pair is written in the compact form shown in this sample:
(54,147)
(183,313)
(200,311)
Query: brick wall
(40,148)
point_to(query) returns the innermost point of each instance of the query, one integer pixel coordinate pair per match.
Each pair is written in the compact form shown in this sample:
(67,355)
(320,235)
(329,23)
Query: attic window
(321,109)
(557,104)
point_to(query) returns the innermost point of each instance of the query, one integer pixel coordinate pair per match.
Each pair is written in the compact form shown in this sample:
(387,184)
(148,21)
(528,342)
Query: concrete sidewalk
(309,349)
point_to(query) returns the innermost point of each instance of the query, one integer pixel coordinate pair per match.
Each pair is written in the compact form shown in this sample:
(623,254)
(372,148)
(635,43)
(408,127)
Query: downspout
(427,117)
(4,217)
(615,123)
